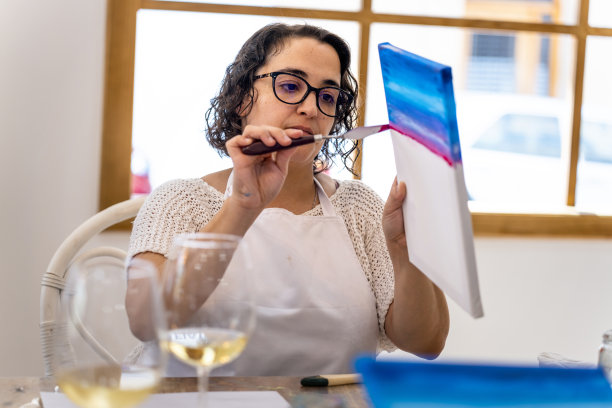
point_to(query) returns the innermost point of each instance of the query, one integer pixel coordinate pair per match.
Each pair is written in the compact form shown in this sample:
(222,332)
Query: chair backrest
(69,251)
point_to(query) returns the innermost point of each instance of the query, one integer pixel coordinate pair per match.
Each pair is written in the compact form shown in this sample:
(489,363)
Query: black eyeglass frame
(310,88)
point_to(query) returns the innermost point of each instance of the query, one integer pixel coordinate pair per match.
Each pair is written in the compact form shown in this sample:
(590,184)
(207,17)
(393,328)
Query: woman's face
(319,65)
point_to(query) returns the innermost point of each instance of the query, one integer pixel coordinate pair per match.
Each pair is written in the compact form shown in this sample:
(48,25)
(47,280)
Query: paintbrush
(330,380)
(259,147)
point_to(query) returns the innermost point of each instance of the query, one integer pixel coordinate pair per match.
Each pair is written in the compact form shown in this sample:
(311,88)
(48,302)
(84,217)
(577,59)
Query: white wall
(539,295)
(51,81)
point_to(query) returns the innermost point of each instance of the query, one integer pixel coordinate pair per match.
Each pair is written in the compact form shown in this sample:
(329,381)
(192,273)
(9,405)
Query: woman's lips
(303,129)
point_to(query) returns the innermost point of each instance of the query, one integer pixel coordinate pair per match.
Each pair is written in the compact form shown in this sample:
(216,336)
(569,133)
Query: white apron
(315,308)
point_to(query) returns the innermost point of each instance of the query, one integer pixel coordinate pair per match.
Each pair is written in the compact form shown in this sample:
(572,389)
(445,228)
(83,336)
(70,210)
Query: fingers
(283,157)
(267,134)
(393,218)
(398,191)
(397,194)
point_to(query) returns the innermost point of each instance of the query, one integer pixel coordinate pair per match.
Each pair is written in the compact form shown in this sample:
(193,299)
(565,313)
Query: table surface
(19,390)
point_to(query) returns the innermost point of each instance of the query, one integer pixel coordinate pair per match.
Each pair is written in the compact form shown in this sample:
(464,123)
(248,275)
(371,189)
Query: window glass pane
(594,181)
(600,13)
(179,67)
(535,11)
(514,96)
(342,5)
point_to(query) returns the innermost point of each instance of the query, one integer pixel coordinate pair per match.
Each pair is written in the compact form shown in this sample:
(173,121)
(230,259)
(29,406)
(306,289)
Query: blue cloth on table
(432,384)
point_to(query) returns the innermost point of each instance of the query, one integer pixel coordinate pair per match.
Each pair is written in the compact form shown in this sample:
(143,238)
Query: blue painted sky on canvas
(420,100)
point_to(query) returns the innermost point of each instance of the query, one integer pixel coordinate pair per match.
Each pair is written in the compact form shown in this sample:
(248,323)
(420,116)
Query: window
(523,134)
(594,174)
(517,65)
(518,160)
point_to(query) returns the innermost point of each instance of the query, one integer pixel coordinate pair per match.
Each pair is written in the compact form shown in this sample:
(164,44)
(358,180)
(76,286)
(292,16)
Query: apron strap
(326,205)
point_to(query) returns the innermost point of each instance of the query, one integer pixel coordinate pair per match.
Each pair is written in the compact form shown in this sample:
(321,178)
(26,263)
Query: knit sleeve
(176,207)
(362,210)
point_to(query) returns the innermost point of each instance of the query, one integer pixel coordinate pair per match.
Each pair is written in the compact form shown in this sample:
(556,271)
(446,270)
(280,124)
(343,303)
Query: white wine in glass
(208,301)
(108,385)
(209,347)
(93,348)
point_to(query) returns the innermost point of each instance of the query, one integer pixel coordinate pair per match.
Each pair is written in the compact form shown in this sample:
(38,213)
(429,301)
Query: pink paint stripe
(418,139)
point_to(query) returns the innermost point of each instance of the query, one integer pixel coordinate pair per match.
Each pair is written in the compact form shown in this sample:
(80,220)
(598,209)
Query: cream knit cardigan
(180,206)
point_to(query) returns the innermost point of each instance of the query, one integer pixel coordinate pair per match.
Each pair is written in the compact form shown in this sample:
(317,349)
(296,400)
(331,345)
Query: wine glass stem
(203,374)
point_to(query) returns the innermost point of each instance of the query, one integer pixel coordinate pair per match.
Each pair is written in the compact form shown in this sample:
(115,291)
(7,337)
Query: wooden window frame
(119,93)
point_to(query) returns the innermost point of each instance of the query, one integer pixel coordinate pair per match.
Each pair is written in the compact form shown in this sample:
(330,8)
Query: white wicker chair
(69,252)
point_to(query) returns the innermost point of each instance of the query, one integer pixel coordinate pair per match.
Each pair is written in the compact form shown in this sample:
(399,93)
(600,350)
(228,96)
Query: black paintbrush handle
(258,147)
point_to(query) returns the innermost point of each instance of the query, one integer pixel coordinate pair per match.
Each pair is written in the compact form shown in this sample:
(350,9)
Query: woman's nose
(309,105)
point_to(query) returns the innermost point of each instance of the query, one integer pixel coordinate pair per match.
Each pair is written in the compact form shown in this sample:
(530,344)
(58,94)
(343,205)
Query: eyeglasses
(292,89)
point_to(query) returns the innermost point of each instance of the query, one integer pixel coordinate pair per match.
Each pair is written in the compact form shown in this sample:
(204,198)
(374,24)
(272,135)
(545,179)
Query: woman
(360,293)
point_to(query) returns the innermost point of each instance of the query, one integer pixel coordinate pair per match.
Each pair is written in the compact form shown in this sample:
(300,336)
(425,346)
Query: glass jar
(605,355)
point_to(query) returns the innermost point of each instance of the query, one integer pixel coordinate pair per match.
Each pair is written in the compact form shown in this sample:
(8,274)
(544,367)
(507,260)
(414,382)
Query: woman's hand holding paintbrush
(259,147)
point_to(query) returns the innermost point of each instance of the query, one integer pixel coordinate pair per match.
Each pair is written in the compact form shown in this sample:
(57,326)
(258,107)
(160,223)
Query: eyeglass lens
(293,89)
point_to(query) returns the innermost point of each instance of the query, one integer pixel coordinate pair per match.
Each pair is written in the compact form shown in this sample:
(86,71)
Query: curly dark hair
(223,120)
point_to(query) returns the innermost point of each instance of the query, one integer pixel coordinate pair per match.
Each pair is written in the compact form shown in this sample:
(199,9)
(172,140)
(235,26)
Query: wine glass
(207,297)
(94,349)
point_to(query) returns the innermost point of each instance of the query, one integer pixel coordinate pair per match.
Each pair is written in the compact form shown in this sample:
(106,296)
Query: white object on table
(217,399)
(548,359)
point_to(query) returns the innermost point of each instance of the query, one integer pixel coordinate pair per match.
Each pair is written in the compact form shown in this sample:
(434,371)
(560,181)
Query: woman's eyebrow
(299,72)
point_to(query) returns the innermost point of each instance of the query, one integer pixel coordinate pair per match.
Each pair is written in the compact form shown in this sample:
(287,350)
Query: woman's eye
(327,97)
(289,87)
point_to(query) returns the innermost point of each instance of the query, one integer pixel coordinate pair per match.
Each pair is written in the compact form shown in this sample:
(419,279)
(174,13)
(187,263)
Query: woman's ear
(240,109)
